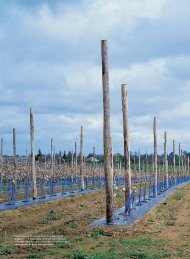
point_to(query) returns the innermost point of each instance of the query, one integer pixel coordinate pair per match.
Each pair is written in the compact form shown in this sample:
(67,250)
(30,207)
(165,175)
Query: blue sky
(50,61)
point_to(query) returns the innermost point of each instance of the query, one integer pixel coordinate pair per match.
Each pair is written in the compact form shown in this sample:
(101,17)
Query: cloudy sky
(50,60)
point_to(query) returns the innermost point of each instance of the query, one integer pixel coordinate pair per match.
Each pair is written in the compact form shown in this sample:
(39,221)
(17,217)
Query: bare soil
(164,232)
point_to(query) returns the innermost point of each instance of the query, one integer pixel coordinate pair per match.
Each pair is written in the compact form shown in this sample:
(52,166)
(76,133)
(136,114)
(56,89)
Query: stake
(14,153)
(174,169)
(166,159)
(127,166)
(94,163)
(52,167)
(75,159)
(32,154)
(1,146)
(155,157)
(139,163)
(106,135)
(81,159)
(179,166)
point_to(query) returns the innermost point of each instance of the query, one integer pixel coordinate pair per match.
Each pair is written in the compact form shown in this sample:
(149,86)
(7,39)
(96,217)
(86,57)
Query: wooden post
(52,167)
(14,153)
(106,135)
(174,169)
(81,159)
(75,159)
(72,163)
(165,159)
(45,164)
(94,163)
(134,172)
(1,159)
(146,165)
(155,157)
(1,146)
(139,163)
(187,166)
(54,163)
(33,169)
(182,169)
(26,157)
(179,165)
(127,166)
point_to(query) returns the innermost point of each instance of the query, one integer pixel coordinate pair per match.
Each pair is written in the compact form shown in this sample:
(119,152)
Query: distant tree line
(66,157)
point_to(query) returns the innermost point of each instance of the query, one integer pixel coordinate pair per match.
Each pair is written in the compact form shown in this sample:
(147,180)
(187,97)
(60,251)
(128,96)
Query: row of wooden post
(107,143)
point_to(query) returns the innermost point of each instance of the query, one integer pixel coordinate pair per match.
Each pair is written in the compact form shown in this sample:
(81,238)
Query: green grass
(98,233)
(179,195)
(141,242)
(52,215)
(6,250)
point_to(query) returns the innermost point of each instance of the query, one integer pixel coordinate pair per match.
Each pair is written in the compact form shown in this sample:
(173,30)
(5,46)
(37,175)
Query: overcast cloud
(50,61)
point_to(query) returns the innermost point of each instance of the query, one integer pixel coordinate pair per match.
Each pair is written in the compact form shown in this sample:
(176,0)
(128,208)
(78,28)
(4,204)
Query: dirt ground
(164,232)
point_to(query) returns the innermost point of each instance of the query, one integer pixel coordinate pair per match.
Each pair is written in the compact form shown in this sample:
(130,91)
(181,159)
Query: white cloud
(50,60)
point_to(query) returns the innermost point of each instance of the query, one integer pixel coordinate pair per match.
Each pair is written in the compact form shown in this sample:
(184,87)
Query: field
(163,233)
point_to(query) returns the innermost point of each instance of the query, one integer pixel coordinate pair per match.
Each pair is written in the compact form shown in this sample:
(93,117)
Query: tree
(39,155)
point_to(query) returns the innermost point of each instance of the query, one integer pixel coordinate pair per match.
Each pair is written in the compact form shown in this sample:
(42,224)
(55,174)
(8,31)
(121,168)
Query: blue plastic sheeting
(31,202)
(121,219)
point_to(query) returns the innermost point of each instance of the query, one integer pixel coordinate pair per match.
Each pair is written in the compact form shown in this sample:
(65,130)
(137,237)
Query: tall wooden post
(76,164)
(52,160)
(1,146)
(45,164)
(81,159)
(155,157)
(146,165)
(139,163)
(127,166)
(165,159)
(174,169)
(33,169)
(179,163)
(72,160)
(106,135)
(94,163)
(187,166)
(182,164)
(26,157)
(14,153)
(1,159)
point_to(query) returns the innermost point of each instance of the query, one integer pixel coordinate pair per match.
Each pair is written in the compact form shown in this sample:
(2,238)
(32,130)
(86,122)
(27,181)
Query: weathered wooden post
(1,146)
(81,159)
(26,157)
(1,159)
(179,161)
(187,166)
(182,169)
(174,169)
(127,166)
(165,159)
(14,153)
(45,161)
(106,135)
(76,159)
(72,160)
(33,155)
(146,165)
(139,163)
(52,160)
(155,157)
(94,163)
